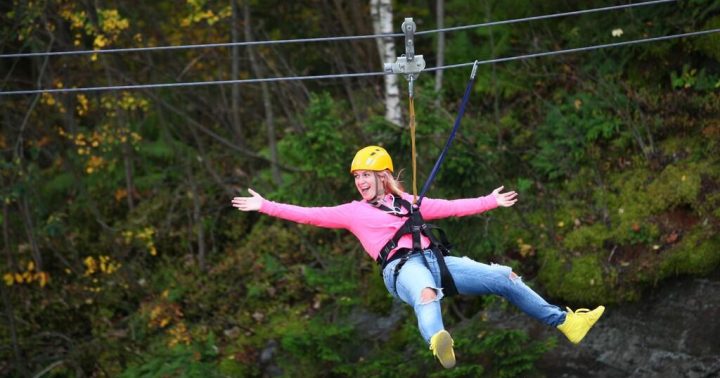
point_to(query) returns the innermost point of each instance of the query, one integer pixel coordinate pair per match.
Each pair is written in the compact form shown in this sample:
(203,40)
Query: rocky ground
(673,332)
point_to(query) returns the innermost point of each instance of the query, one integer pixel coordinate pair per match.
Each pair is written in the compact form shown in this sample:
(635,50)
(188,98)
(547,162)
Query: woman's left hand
(506,199)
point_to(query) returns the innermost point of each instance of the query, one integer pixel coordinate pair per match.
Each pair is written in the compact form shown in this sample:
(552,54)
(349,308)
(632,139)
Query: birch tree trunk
(381,13)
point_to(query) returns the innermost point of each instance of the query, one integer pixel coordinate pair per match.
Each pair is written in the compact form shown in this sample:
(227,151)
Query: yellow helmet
(372,158)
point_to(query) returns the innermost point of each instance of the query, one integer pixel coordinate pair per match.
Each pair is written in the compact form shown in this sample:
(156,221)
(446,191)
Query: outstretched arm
(329,217)
(440,208)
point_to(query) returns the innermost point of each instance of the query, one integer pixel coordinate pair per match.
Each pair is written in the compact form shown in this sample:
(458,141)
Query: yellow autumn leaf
(9,279)
(90,264)
(526,249)
(43,278)
(100,42)
(155,312)
(48,99)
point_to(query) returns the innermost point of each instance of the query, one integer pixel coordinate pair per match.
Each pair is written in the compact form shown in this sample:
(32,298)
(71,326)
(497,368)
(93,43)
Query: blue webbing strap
(440,159)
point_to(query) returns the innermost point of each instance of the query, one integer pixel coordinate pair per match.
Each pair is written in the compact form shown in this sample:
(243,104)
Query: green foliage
(675,186)
(589,238)
(196,360)
(709,44)
(697,254)
(322,152)
(512,352)
(580,280)
(571,133)
(334,281)
(692,78)
(315,345)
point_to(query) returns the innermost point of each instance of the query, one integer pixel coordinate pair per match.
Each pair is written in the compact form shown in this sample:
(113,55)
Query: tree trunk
(347,85)
(235,106)
(10,315)
(381,13)
(269,117)
(496,99)
(30,230)
(197,219)
(127,160)
(11,263)
(440,17)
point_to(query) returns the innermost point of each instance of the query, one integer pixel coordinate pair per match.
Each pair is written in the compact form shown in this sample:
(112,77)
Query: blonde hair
(391,184)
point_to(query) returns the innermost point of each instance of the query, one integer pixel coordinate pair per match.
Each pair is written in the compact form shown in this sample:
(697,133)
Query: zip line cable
(328,39)
(545,17)
(194,83)
(362,74)
(578,49)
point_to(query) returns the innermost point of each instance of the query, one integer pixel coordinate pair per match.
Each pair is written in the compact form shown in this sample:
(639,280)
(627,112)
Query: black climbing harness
(416,226)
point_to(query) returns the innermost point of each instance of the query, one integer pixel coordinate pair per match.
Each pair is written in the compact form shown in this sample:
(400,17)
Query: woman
(416,278)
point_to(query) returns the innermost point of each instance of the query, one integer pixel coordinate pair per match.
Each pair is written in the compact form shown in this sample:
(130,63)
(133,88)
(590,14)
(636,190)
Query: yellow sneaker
(578,323)
(441,344)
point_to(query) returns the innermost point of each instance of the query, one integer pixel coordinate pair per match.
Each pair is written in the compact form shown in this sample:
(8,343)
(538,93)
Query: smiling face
(367,184)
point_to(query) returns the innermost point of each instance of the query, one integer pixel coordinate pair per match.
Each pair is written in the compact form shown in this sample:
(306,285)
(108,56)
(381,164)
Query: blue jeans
(471,277)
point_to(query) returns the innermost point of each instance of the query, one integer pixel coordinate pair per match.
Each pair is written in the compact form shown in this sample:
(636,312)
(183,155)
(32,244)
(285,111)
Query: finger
(253,193)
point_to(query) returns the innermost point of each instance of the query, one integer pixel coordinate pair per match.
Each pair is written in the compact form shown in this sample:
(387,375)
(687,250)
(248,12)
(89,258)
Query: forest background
(121,254)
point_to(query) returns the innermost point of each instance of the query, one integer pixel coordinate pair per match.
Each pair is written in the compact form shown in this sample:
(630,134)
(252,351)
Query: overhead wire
(329,39)
(577,49)
(544,17)
(192,83)
(362,74)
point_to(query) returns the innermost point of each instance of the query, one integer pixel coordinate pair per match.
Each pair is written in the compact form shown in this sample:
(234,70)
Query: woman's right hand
(248,203)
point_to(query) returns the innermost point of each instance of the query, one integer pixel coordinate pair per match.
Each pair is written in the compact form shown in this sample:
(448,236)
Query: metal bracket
(408,27)
(407,64)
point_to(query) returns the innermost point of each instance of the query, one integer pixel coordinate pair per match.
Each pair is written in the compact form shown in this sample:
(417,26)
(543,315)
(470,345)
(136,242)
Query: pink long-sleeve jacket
(372,226)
